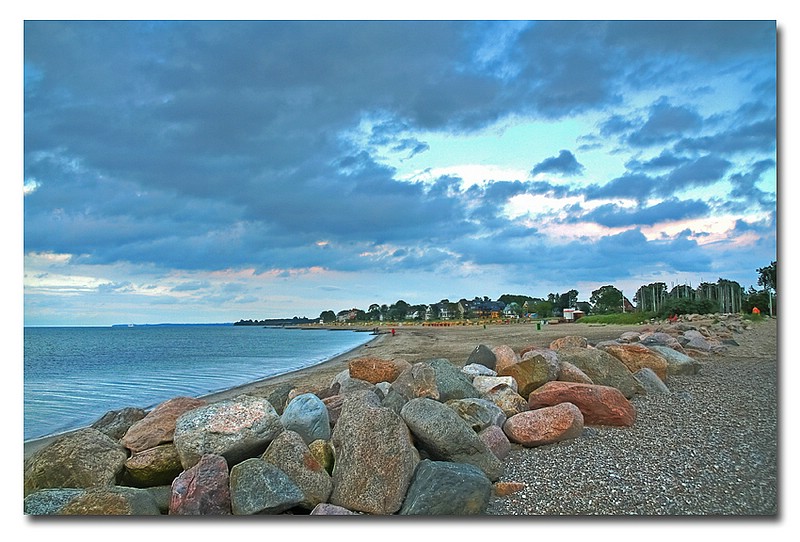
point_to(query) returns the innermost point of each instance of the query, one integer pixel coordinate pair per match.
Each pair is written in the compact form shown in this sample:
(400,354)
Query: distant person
(756,311)
(392,332)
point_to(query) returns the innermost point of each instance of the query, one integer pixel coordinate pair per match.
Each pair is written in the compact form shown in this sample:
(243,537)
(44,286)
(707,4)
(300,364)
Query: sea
(74,375)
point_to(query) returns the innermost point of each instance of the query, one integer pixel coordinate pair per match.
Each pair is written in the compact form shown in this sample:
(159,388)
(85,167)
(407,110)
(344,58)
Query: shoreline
(32,445)
(412,343)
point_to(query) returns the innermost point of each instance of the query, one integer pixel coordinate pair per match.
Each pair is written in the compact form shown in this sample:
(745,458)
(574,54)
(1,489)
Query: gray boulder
(375,456)
(450,381)
(307,416)
(83,459)
(258,487)
(446,437)
(50,501)
(290,453)
(678,363)
(602,368)
(236,429)
(447,489)
(650,382)
(478,413)
(482,355)
(117,422)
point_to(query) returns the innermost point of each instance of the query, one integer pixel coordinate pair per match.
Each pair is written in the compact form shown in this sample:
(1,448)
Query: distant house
(512,310)
(346,315)
(441,311)
(481,308)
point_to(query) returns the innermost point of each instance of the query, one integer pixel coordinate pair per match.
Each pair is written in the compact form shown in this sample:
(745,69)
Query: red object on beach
(392,332)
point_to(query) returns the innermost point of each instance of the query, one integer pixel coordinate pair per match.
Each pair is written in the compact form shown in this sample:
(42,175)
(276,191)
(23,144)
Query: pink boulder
(158,426)
(600,405)
(545,425)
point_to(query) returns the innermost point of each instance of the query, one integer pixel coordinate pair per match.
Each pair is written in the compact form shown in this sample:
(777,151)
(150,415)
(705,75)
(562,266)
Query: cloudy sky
(210,171)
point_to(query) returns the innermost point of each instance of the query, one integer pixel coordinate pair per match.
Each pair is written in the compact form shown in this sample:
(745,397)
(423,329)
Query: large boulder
(637,356)
(478,413)
(158,426)
(290,453)
(507,398)
(203,489)
(545,425)
(600,405)
(482,384)
(439,431)
(482,355)
(569,341)
(258,487)
(496,440)
(116,423)
(442,488)
(650,382)
(531,372)
(50,501)
(236,429)
(504,356)
(419,380)
(375,457)
(567,372)
(112,501)
(603,368)
(678,363)
(153,467)
(376,370)
(83,459)
(308,416)
(451,382)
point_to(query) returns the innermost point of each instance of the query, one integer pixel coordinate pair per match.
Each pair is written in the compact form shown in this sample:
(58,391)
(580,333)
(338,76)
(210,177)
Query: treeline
(276,322)
(724,296)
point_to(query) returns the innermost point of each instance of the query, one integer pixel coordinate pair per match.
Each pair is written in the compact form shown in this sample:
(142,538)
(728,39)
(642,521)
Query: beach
(709,447)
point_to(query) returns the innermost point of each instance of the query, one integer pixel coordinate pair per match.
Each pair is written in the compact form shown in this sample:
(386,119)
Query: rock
(659,338)
(419,380)
(694,340)
(482,384)
(450,381)
(290,453)
(236,429)
(307,416)
(258,487)
(279,396)
(323,453)
(482,355)
(203,489)
(112,501)
(502,489)
(531,373)
(650,382)
(445,436)
(376,370)
(50,501)
(447,489)
(117,422)
(162,496)
(158,426)
(570,341)
(327,509)
(504,356)
(629,337)
(476,369)
(600,405)
(153,467)
(506,397)
(545,425)
(603,368)
(567,372)
(334,405)
(375,457)
(496,440)
(678,363)
(636,356)
(82,459)
(478,413)
(530,351)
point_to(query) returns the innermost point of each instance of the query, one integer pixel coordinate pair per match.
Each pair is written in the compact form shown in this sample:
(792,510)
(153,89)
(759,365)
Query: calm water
(75,375)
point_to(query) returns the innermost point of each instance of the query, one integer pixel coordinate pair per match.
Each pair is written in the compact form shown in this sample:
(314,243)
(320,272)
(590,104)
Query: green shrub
(620,318)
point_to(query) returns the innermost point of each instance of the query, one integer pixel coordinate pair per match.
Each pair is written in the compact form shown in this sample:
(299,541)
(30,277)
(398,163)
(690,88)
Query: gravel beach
(709,448)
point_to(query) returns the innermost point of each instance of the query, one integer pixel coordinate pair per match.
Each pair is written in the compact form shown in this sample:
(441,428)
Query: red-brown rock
(545,425)
(637,356)
(202,489)
(600,405)
(505,357)
(158,427)
(570,341)
(374,370)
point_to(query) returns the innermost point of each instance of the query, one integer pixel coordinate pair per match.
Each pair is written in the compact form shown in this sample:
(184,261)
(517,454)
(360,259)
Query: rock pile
(386,437)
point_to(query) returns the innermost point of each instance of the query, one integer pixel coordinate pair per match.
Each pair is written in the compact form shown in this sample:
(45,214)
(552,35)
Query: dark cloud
(564,164)
(214,145)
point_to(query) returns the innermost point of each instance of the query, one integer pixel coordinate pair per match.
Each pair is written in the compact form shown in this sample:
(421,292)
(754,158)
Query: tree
(606,300)
(768,276)
(650,298)
(327,316)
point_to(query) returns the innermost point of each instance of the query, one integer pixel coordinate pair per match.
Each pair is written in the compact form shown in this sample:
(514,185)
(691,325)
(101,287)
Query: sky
(211,171)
